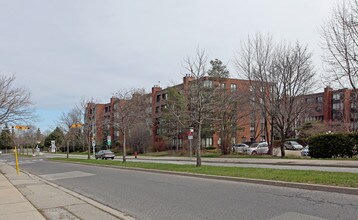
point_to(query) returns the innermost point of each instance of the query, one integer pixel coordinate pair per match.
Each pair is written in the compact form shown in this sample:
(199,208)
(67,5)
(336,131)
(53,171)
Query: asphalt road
(162,196)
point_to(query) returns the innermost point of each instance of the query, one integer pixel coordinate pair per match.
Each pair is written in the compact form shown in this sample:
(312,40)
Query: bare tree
(87,123)
(201,97)
(140,137)
(230,105)
(15,103)
(70,123)
(282,74)
(176,117)
(340,41)
(254,62)
(129,112)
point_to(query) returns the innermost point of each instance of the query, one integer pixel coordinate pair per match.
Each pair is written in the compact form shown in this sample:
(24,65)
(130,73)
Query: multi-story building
(101,118)
(334,107)
(250,124)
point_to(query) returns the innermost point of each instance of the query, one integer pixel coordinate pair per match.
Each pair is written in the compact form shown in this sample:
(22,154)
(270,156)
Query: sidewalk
(26,196)
(13,205)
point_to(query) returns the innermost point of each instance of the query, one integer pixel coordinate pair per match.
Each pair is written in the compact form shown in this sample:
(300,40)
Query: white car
(305,152)
(239,148)
(257,148)
(293,145)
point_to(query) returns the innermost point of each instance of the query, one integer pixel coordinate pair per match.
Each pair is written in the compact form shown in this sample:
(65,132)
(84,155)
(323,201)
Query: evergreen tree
(57,135)
(5,138)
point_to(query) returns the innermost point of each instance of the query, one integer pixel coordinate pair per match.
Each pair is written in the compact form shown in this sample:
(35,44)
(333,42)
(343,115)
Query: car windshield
(254,145)
(107,151)
(294,142)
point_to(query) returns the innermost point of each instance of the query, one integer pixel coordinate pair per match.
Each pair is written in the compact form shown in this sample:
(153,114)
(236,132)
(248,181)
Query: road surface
(162,196)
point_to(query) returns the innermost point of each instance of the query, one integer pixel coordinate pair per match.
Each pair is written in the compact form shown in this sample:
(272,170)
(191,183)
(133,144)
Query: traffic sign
(21,127)
(109,142)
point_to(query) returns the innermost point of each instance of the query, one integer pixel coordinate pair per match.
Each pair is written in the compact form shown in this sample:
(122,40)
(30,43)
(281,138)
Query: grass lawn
(299,176)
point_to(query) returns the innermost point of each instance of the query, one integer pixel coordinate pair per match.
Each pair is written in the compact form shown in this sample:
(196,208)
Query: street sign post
(190,138)
(109,141)
(93,146)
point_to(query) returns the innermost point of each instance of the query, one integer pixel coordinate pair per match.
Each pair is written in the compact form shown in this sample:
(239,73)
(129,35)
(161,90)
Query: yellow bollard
(17,161)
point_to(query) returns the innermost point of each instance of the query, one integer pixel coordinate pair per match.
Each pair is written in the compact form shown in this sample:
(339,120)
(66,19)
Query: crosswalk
(22,161)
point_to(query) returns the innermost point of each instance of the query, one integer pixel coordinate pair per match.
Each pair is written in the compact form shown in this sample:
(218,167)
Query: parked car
(257,148)
(305,152)
(104,154)
(239,148)
(293,145)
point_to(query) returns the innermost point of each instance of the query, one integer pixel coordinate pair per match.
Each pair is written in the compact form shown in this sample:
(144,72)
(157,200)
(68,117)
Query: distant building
(339,107)
(100,118)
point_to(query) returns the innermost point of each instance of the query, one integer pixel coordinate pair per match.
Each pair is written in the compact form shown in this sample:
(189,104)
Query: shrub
(210,148)
(332,145)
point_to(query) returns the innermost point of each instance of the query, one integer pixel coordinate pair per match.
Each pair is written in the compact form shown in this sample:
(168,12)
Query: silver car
(239,148)
(257,148)
(293,145)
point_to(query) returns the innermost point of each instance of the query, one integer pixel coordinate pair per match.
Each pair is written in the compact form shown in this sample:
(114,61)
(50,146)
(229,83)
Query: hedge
(333,145)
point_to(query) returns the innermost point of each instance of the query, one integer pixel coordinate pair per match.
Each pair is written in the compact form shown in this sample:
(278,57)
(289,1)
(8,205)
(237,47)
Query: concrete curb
(94,203)
(317,187)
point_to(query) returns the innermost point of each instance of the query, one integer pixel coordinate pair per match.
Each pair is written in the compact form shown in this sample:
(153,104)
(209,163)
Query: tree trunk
(68,148)
(124,146)
(283,139)
(198,148)
(89,151)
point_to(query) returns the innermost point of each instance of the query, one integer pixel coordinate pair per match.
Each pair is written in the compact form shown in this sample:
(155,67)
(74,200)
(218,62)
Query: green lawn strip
(299,176)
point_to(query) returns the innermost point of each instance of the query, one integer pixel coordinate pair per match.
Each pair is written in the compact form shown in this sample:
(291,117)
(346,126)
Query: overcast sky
(64,50)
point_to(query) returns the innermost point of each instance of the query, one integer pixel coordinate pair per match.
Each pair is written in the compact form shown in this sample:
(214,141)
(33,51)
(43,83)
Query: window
(337,106)
(157,109)
(158,98)
(319,99)
(233,87)
(337,96)
(309,99)
(319,108)
(208,83)
(206,142)
(222,85)
(165,96)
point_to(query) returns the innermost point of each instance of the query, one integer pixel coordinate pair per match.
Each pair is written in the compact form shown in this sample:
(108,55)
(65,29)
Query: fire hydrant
(135,155)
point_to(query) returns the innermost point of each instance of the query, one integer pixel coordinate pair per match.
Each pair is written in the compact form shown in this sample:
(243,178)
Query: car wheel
(112,158)
(253,153)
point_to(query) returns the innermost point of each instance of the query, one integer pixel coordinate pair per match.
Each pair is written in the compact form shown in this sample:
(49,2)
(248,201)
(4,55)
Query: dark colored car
(104,154)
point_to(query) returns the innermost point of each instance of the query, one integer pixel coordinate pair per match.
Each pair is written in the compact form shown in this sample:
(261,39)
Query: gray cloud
(64,50)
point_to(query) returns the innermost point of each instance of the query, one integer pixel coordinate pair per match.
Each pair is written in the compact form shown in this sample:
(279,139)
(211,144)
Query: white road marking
(295,216)
(66,175)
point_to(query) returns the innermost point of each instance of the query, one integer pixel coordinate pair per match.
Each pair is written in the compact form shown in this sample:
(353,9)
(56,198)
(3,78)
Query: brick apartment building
(100,118)
(101,124)
(250,128)
(334,107)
